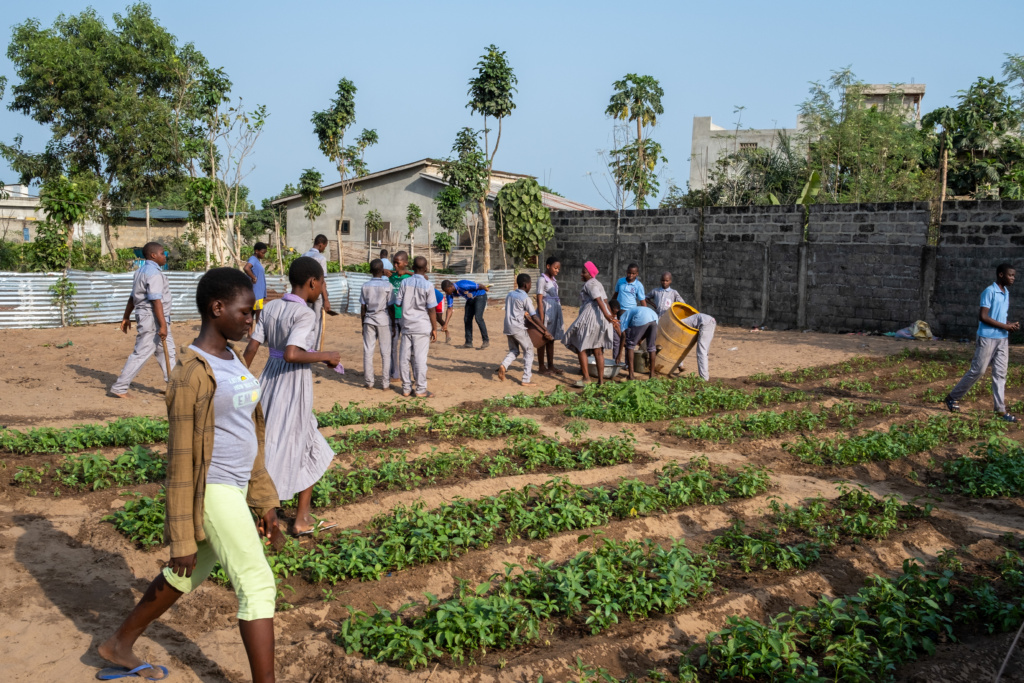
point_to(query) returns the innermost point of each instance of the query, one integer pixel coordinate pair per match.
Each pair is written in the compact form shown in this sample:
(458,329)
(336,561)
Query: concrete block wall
(865,266)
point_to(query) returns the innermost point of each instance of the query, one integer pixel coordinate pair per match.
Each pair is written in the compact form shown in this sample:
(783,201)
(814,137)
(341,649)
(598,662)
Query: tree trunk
(430,251)
(337,230)
(485,242)
(206,237)
(147,222)
(108,238)
(280,247)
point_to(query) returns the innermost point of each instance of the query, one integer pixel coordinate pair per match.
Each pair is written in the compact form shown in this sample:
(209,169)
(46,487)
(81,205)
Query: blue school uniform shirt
(629,292)
(637,316)
(997,302)
(259,288)
(463,287)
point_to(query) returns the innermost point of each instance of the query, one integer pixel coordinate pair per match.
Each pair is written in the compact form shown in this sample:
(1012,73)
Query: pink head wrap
(591,268)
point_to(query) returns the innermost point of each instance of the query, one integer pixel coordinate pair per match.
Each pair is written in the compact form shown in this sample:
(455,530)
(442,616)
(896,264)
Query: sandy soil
(41,383)
(70,578)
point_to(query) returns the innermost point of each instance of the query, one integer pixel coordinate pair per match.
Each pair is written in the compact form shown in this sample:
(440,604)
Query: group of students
(239,444)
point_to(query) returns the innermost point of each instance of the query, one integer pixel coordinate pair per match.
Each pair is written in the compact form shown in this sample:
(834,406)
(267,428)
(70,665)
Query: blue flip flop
(114,672)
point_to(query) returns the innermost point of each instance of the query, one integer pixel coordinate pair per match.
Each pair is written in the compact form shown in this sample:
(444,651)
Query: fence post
(765,283)
(801,285)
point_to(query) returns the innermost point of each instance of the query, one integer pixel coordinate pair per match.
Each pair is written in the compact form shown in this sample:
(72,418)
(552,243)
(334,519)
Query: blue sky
(411,62)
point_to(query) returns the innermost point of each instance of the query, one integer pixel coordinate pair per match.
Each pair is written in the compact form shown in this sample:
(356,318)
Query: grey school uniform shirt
(417,299)
(375,295)
(150,284)
(517,304)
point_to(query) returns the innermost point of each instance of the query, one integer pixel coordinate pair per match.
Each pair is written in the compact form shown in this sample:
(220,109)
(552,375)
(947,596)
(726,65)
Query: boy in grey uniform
(151,301)
(418,302)
(373,302)
(664,296)
(517,306)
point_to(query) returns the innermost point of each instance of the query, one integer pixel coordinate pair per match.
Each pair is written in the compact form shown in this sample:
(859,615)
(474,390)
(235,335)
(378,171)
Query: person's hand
(486,288)
(269,529)
(433,335)
(163,330)
(327,306)
(548,336)
(1013,327)
(333,359)
(616,327)
(126,324)
(469,295)
(183,566)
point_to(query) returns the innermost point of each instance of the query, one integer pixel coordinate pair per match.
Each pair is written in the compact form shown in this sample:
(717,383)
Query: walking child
(663,297)
(519,309)
(418,303)
(638,324)
(297,454)
(549,310)
(628,290)
(992,346)
(215,474)
(705,326)
(323,303)
(373,310)
(400,275)
(595,327)
(254,269)
(151,301)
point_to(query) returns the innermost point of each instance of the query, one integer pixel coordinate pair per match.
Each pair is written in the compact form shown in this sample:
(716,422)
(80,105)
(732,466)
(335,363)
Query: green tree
(330,126)
(490,95)
(524,221)
(66,203)
(309,187)
(120,103)
(467,177)
(637,99)
(413,220)
(981,138)
(863,153)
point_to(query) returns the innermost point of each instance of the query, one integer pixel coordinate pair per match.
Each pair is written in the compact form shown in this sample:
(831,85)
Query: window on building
(26,236)
(382,236)
(346,227)
(748,145)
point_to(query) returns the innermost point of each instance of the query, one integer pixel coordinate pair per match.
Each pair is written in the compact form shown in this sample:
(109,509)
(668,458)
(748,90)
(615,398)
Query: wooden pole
(430,251)
(280,247)
(147,222)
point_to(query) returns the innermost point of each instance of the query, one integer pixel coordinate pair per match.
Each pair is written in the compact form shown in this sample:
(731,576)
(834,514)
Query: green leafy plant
(523,220)
(125,431)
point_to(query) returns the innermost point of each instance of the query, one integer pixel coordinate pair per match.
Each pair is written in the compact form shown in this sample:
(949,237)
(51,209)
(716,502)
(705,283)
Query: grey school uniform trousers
(414,349)
(516,340)
(396,345)
(705,326)
(373,335)
(987,351)
(147,342)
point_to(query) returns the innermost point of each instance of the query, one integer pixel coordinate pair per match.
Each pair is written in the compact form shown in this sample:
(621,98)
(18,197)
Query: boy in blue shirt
(638,324)
(475,295)
(254,269)
(993,343)
(628,291)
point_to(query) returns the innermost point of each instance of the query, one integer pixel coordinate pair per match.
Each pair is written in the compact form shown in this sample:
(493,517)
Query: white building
(711,142)
(389,192)
(21,212)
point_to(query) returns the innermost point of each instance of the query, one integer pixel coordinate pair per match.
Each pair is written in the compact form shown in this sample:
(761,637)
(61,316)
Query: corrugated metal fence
(25,299)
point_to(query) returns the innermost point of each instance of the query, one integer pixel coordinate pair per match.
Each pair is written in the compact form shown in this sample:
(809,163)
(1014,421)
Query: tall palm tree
(637,98)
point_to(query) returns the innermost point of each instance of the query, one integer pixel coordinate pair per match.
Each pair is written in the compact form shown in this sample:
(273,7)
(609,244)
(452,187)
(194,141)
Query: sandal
(321,525)
(113,672)
(1009,418)
(952,404)
(429,394)
(580,384)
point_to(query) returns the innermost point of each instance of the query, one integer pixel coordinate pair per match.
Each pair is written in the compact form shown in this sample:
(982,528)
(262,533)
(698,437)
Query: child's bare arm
(250,352)
(126,321)
(158,312)
(296,354)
